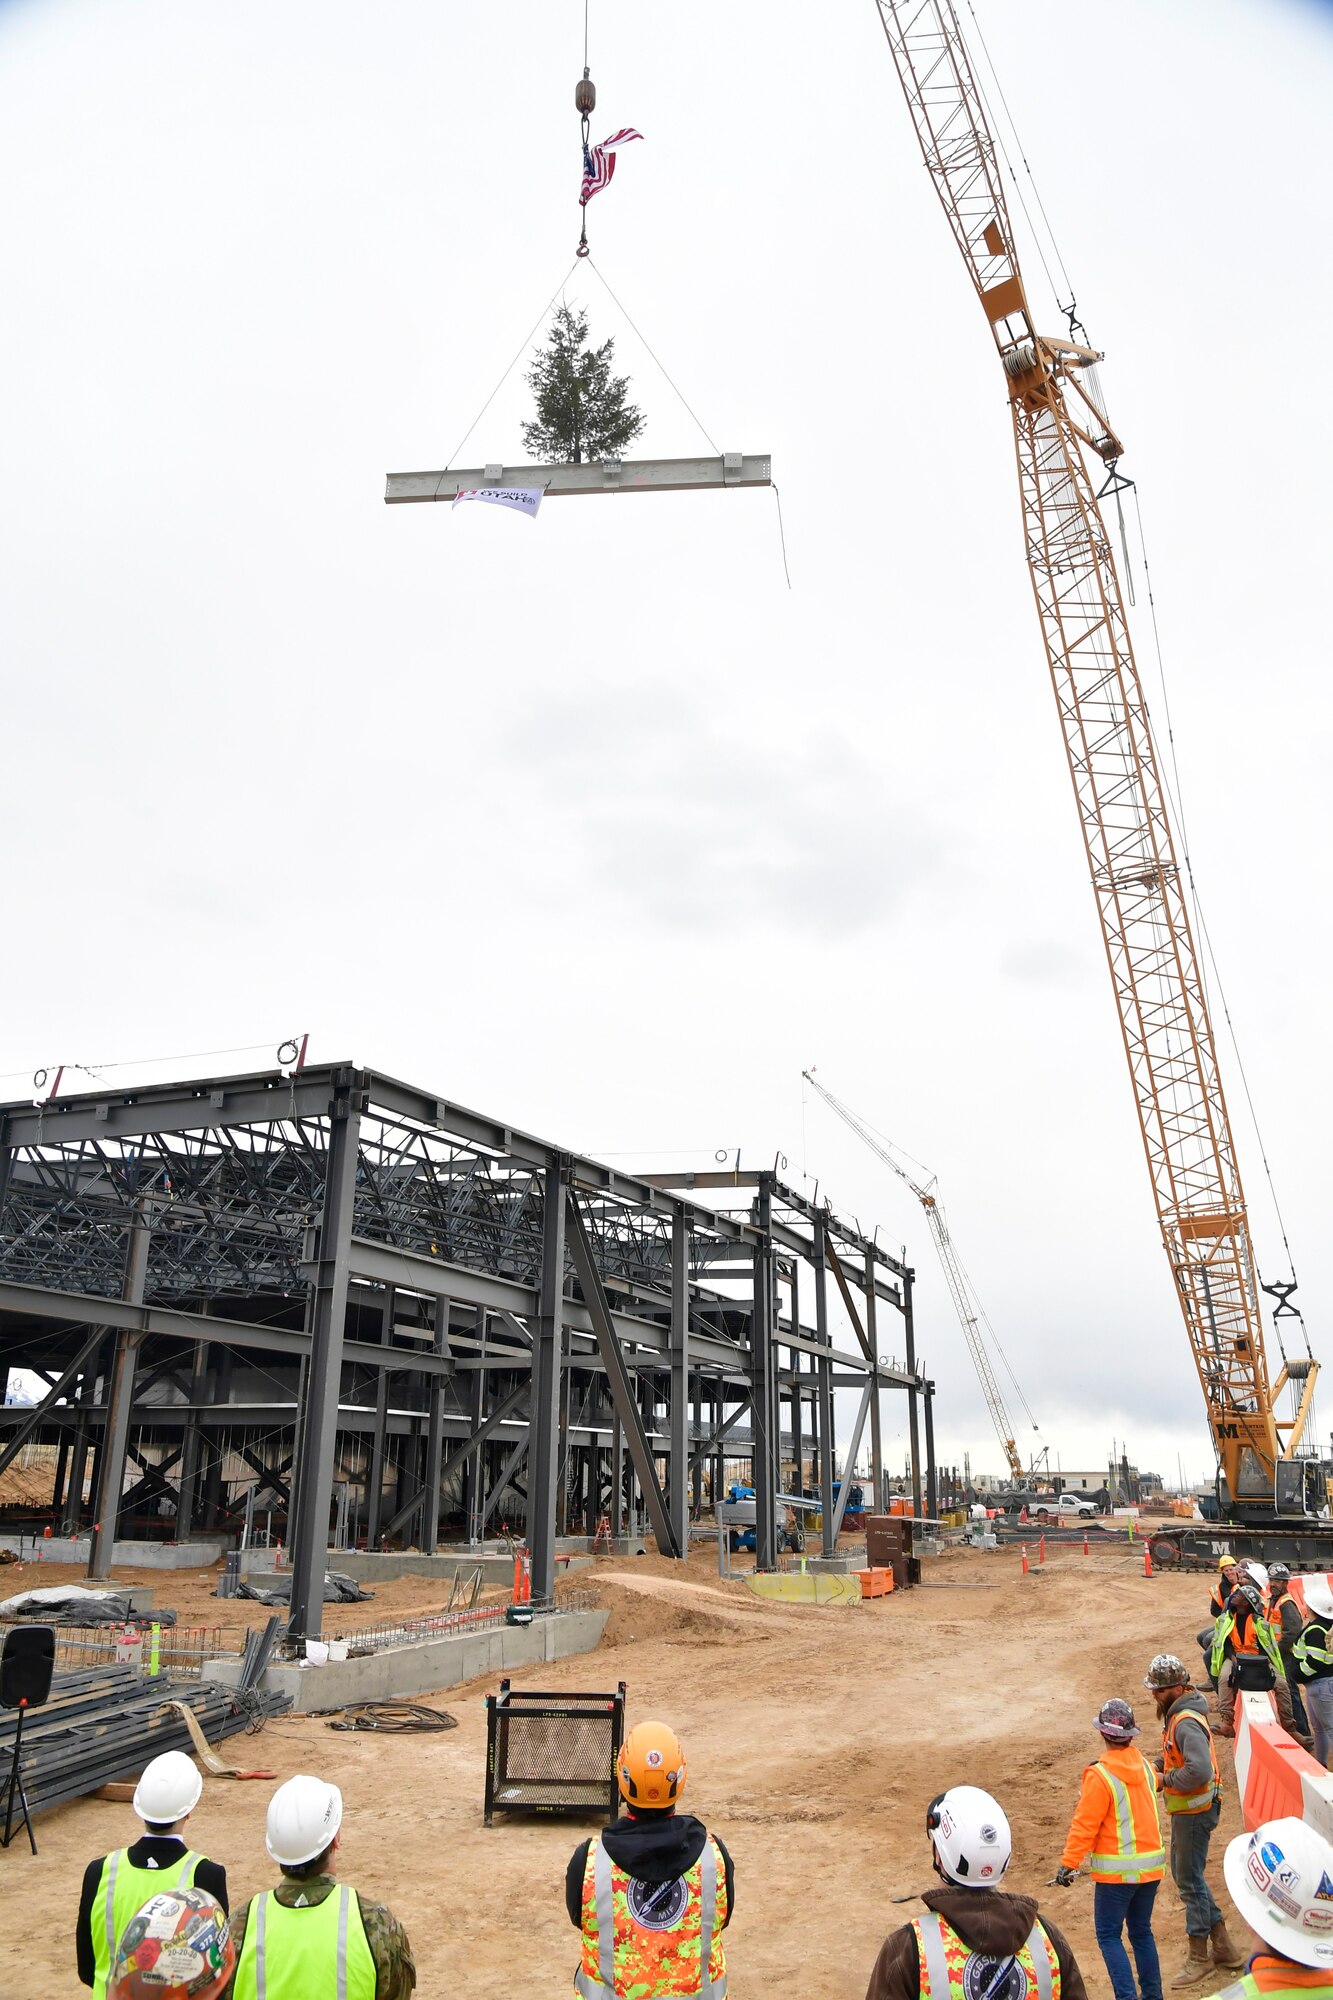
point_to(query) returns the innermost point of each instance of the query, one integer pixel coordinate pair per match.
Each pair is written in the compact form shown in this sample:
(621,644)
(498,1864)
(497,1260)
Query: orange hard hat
(650,1769)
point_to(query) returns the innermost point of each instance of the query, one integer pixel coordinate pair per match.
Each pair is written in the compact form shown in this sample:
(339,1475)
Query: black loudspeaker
(26,1665)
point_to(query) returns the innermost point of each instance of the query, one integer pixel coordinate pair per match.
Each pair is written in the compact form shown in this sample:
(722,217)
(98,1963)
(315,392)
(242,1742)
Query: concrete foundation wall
(124,1555)
(496,1565)
(428,1663)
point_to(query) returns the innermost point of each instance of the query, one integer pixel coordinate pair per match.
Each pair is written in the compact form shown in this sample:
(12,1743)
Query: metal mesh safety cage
(553,1753)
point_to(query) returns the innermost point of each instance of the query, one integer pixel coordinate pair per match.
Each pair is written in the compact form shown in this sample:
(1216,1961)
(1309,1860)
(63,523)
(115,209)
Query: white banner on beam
(523,499)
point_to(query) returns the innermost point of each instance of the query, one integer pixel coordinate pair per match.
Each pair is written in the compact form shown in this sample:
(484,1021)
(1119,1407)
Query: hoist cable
(1036,191)
(1175,795)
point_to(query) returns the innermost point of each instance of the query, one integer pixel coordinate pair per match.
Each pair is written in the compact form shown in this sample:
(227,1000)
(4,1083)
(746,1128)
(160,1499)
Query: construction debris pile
(103,1724)
(71,1604)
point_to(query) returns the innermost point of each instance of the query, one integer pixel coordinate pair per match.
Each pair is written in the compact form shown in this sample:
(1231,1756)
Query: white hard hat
(303,1816)
(971,1836)
(168,1789)
(1281,1880)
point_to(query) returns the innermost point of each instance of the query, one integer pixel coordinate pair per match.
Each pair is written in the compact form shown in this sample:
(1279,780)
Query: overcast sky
(590,822)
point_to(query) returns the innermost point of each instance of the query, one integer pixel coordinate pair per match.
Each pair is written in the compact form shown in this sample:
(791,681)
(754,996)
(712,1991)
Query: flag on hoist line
(599,163)
(523,499)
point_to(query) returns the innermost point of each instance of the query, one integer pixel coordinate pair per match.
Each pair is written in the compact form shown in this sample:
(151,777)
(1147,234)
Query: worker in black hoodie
(652,1893)
(974,1939)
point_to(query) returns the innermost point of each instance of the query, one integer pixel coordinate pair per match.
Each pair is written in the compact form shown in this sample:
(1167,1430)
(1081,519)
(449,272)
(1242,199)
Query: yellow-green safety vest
(317,1951)
(1223,1630)
(1247,1987)
(1131,1862)
(943,1960)
(121,1894)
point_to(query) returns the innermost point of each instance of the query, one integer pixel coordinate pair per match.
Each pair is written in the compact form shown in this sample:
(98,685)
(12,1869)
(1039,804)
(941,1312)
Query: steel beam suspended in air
(618,1381)
(623,475)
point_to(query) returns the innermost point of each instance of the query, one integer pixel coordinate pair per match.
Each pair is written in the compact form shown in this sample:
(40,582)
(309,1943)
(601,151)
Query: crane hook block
(585,95)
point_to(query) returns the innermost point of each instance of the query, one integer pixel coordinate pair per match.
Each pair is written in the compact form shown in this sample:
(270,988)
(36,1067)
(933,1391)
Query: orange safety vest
(1275,1611)
(948,1970)
(1173,1758)
(653,1939)
(1117,1825)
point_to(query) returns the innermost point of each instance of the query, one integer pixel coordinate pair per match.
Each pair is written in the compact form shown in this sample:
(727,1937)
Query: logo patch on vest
(979,1979)
(657,1906)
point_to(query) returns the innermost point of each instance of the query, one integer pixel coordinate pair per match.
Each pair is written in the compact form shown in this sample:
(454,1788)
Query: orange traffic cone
(1085,1545)
(1025,1558)
(1147,1560)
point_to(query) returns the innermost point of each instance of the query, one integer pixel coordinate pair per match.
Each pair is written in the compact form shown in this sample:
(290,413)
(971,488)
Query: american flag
(599,163)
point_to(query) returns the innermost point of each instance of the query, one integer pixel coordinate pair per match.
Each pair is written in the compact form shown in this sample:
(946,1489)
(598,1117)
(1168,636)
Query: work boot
(1224,1951)
(1197,1966)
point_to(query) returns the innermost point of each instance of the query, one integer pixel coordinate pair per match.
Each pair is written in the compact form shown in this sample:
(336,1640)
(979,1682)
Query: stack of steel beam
(103,1724)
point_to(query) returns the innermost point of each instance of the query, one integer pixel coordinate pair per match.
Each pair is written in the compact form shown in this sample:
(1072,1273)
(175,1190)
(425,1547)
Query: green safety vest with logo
(1263,1632)
(315,1949)
(121,1894)
(944,1960)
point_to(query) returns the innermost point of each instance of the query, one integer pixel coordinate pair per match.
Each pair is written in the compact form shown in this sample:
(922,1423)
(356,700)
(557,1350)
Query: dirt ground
(815,1739)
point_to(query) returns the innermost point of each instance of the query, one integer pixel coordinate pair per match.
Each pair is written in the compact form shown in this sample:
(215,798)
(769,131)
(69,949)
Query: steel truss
(296,1282)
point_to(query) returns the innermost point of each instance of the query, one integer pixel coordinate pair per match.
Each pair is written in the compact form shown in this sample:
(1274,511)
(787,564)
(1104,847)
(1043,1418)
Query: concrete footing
(829,1565)
(426,1663)
(124,1555)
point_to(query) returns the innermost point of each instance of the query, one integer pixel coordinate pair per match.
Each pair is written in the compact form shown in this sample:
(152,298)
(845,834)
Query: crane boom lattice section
(1141,900)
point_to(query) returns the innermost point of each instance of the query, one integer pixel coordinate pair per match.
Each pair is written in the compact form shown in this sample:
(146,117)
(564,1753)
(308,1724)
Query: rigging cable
(542,315)
(592,266)
(1036,191)
(1175,794)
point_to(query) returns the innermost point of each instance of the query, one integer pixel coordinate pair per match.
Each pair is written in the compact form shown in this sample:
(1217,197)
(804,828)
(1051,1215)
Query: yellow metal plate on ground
(793,1588)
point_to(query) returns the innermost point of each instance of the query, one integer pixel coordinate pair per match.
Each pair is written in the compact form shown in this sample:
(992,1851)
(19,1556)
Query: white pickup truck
(1064,1507)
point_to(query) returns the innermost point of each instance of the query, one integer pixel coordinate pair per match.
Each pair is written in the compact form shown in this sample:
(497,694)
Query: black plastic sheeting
(338,1589)
(66,1604)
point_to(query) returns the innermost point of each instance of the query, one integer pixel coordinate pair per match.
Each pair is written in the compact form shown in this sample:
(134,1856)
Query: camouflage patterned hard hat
(1166,1671)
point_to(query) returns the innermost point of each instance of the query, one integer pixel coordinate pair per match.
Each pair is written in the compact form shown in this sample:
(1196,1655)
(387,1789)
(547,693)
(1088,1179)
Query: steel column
(909,1335)
(314,1490)
(824,1376)
(617,1475)
(430,1537)
(544,1410)
(872,1338)
(761,1385)
(678,1485)
(189,1479)
(932,1495)
(119,1406)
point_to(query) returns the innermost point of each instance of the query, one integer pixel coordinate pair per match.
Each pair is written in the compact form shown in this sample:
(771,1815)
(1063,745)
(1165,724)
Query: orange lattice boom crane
(1061,433)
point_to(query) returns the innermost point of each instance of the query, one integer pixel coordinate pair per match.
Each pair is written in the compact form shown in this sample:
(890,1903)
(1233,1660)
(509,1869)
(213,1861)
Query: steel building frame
(354,1267)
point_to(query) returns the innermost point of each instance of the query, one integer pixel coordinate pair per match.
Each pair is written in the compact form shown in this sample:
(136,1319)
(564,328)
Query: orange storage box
(875,1582)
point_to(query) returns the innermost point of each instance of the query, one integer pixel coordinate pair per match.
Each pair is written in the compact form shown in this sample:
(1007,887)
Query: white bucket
(316,1652)
(337,1649)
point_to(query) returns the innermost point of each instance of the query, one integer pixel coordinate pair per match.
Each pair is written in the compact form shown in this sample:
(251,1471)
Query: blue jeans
(1118,1906)
(1190,1835)
(1319,1708)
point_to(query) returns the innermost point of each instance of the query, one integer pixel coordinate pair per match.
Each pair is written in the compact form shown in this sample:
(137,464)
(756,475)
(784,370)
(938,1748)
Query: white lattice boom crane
(1060,425)
(969,1317)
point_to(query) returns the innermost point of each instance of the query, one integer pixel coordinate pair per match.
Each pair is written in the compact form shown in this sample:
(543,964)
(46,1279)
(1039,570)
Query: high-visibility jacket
(1173,1758)
(1311,1654)
(1248,1635)
(652,1939)
(1272,1978)
(1275,1605)
(294,1953)
(1116,1824)
(943,1959)
(121,1894)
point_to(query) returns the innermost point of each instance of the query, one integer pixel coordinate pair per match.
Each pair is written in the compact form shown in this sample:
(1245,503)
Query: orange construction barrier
(1276,1779)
